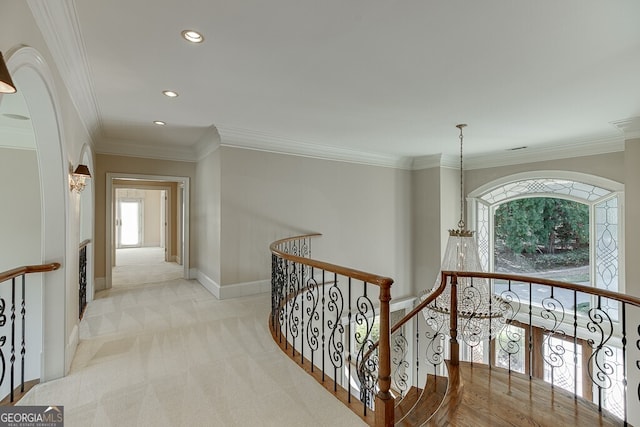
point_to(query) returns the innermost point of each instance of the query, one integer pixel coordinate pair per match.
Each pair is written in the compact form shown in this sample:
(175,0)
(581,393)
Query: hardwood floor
(514,400)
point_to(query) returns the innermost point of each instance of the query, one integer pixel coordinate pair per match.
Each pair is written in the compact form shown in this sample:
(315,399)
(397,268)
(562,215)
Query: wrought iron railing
(82,277)
(575,337)
(579,338)
(326,318)
(13,333)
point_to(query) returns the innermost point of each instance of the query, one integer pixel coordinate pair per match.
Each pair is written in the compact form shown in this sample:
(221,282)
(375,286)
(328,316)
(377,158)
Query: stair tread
(419,405)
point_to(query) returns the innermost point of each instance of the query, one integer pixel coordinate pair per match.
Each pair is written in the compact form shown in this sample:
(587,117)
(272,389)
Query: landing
(514,400)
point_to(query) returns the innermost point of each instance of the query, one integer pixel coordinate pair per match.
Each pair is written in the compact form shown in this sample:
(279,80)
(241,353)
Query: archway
(34,79)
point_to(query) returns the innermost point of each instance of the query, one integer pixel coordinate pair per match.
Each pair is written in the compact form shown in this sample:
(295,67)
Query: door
(129,223)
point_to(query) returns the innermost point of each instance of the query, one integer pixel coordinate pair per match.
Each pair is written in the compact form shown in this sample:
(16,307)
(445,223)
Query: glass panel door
(129,223)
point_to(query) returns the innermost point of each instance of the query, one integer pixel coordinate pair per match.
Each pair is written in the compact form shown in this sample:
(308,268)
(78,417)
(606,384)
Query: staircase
(554,363)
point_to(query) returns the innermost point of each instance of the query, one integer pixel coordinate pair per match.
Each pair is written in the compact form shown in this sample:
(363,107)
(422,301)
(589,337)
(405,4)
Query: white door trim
(109,205)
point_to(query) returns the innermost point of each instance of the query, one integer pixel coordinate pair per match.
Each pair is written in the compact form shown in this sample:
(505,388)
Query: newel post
(384,400)
(454,347)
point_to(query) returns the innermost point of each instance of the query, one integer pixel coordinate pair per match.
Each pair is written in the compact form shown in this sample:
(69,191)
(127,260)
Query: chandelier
(480,313)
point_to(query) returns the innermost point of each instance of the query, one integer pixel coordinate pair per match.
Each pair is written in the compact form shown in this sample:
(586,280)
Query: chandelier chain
(461,224)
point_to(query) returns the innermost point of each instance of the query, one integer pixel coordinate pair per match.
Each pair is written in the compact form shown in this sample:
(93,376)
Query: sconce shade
(6,84)
(78,178)
(82,170)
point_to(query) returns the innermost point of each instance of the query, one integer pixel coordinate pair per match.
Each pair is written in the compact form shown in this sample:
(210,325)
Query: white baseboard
(100,284)
(234,290)
(71,348)
(207,282)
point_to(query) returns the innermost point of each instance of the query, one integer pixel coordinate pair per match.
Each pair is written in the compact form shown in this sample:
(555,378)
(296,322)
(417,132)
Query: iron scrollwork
(368,369)
(553,311)
(400,363)
(335,305)
(312,296)
(510,342)
(601,368)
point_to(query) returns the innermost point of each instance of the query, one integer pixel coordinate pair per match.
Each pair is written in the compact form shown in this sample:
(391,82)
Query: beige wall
(609,166)
(207,217)
(132,165)
(20,213)
(632,215)
(362,211)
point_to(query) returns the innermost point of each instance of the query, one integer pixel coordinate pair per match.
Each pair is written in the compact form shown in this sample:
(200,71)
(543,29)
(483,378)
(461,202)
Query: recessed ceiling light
(170,93)
(192,36)
(159,122)
(16,116)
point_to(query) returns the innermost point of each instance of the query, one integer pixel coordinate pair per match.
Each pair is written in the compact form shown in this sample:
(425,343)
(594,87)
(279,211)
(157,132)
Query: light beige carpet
(140,266)
(171,354)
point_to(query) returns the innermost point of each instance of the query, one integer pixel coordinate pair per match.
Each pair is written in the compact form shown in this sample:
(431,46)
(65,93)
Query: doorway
(147,230)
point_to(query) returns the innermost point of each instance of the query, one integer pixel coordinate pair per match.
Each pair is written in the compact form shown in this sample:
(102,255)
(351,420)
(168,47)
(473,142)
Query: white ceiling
(390,78)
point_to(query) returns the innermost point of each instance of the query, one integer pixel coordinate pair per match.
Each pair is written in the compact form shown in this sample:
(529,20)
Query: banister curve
(548,282)
(19,271)
(346,271)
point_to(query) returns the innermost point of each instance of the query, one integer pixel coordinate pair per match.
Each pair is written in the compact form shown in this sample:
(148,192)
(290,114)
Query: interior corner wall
(207,216)
(363,213)
(436,209)
(631,215)
(138,166)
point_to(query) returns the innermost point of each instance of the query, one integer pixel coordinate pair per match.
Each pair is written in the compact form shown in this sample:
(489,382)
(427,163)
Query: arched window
(604,201)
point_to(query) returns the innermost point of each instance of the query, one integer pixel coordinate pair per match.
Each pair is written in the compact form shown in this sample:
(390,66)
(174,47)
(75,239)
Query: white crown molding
(630,127)
(436,161)
(542,153)
(207,144)
(128,148)
(58,22)
(241,138)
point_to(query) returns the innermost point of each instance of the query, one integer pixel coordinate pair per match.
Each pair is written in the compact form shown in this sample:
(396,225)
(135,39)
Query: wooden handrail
(16,272)
(345,271)
(516,278)
(84,243)
(555,283)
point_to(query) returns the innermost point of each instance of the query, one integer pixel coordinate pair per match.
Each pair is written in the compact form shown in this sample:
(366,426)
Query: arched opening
(34,80)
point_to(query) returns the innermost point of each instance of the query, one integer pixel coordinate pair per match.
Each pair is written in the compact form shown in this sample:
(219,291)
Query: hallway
(171,354)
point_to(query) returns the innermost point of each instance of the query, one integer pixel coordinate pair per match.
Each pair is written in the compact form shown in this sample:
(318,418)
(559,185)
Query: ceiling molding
(630,127)
(58,22)
(542,153)
(241,138)
(128,148)
(436,161)
(208,143)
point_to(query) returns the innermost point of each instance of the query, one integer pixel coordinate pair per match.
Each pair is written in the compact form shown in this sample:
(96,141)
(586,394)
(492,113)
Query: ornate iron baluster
(313,332)
(3,339)
(400,362)
(23,348)
(550,307)
(600,370)
(510,305)
(336,347)
(13,333)
(365,317)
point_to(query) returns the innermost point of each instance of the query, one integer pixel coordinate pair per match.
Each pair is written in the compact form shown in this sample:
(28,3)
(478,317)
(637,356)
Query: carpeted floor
(140,266)
(171,354)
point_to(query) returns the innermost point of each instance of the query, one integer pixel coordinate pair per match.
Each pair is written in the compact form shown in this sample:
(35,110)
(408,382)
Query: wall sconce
(79,178)
(6,84)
